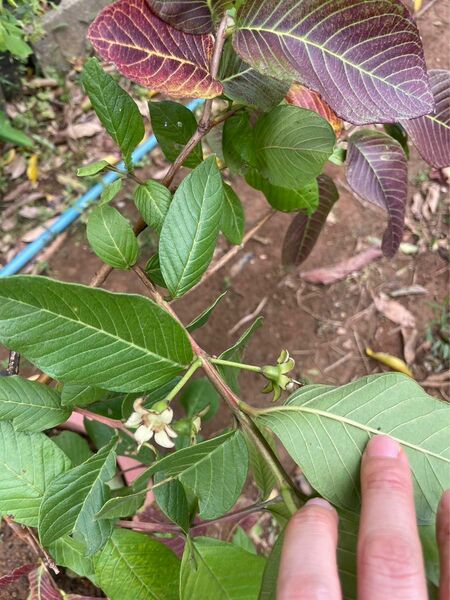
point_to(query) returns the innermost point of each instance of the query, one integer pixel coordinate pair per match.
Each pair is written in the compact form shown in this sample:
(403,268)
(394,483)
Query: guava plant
(287,86)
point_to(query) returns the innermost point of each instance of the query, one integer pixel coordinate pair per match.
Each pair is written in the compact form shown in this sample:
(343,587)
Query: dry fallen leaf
(393,362)
(397,313)
(394,311)
(34,233)
(431,201)
(339,271)
(410,290)
(83,130)
(33,170)
(17,167)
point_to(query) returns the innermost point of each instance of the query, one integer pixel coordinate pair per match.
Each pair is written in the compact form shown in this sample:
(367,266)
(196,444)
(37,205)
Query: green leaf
(153,200)
(244,84)
(292,145)
(111,237)
(232,223)
(237,143)
(110,191)
(264,478)
(29,462)
(30,406)
(346,552)
(214,569)
(241,540)
(10,134)
(128,500)
(191,228)
(71,502)
(173,125)
(172,500)
(396,131)
(305,198)
(92,169)
(117,111)
(198,395)
(132,566)
(338,422)
(17,46)
(268,589)
(80,395)
(74,446)
(153,271)
(214,470)
(203,318)
(78,334)
(236,354)
(430,551)
(71,554)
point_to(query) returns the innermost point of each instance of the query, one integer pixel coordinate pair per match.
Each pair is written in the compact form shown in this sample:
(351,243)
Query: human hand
(389,555)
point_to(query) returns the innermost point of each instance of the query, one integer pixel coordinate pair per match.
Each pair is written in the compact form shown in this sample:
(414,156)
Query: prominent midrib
(100,331)
(308,42)
(151,52)
(133,570)
(31,405)
(342,419)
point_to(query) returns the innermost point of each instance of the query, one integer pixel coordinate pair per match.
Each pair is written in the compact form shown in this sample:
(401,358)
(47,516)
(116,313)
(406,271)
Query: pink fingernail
(382,446)
(319,502)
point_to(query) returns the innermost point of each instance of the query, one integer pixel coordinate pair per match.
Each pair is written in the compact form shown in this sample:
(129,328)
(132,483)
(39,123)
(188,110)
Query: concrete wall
(66,28)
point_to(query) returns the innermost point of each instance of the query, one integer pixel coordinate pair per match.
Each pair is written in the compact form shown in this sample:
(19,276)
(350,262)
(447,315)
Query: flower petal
(163,439)
(170,432)
(166,416)
(143,434)
(134,420)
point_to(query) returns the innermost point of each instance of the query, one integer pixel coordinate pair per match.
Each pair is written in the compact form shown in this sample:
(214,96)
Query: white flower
(152,422)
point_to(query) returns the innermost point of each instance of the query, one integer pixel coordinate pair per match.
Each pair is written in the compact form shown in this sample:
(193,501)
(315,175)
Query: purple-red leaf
(153,54)
(377,172)
(304,230)
(42,586)
(16,574)
(364,58)
(191,16)
(301,96)
(431,133)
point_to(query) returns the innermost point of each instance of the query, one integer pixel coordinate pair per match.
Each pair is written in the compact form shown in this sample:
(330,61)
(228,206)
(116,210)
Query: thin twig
(249,316)
(114,423)
(26,534)
(287,487)
(169,528)
(204,126)
(13,363)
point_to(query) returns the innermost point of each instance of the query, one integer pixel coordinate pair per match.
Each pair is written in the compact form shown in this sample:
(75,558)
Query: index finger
(390,563)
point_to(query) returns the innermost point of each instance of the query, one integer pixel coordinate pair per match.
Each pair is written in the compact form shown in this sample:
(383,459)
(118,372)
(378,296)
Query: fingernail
(382,446)
(319,502)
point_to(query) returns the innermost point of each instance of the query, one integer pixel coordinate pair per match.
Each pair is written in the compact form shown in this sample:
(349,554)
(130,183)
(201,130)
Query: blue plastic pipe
(79,206)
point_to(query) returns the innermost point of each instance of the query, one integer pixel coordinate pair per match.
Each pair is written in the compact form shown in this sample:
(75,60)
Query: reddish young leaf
(301,96)
(365,58)
(153,54)
(377,172)
(431,133)
(304,230)
(191,16)
(42,586)
(16,574)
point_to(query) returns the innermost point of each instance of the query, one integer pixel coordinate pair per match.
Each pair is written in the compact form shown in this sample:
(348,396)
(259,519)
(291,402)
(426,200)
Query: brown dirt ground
(324,328)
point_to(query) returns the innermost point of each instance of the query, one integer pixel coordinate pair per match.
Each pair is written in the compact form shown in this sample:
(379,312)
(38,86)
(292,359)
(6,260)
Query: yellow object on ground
(393,362)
